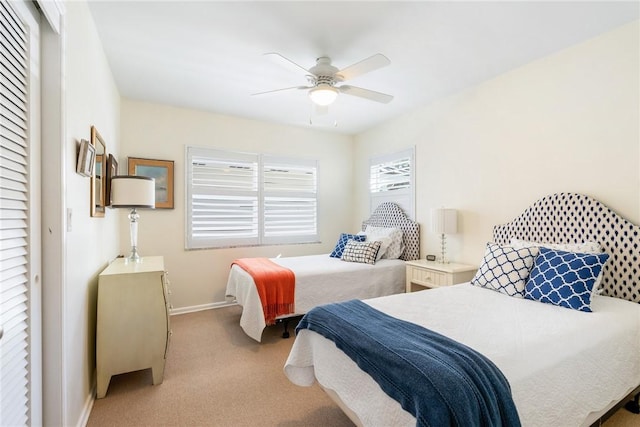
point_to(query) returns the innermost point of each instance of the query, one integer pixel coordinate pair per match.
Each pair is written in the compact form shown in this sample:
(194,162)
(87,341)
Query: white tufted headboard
(389,214)
(576,218)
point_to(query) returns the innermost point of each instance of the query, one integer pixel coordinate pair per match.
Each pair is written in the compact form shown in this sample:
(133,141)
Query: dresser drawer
(429,278)
(428,274)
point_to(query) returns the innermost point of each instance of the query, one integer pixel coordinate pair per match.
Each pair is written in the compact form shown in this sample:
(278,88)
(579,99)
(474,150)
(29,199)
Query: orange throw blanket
(275,284)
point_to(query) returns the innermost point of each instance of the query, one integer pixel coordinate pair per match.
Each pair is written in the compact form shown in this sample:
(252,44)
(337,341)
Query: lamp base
(134,256)
(443,250)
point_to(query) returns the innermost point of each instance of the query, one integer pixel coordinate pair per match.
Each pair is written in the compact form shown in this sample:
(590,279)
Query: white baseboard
(88,405)
(194,308)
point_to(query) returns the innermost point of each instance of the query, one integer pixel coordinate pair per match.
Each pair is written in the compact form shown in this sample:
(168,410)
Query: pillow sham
(342,242)
(563,278)
(363,252)
(505,269)
(585,247)
(383,238)
(395,247)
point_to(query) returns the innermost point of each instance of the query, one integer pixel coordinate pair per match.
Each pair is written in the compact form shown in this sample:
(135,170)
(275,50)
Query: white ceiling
(208,55)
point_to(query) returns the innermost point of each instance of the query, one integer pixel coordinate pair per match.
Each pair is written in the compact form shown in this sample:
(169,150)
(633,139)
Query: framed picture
(86,154)
(162,172)
(112,170)
(98,187)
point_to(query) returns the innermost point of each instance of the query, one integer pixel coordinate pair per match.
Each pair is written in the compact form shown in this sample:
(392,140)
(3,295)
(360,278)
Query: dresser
(432,274)
(132,330)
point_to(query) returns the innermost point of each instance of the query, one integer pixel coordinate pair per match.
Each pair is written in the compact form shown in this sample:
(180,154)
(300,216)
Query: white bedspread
(320,279)
(565,367)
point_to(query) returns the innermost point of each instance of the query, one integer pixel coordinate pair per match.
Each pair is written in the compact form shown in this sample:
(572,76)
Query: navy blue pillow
(564,278)
(342,242)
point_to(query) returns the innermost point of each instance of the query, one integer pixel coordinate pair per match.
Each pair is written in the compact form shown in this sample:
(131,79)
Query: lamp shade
(133,192)
(444,221)
(323,94)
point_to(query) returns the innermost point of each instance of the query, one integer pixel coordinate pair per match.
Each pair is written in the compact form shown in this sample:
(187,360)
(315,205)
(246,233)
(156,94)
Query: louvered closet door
(19,212)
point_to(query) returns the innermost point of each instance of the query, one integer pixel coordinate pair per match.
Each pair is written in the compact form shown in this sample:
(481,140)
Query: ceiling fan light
(323,94)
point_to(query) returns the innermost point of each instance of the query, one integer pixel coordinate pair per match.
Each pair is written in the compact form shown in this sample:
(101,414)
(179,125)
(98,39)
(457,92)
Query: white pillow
(583,248)
(395,246)
(384,240)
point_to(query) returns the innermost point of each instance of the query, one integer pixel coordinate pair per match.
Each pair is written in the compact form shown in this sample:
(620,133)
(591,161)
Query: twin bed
(321,279)
(564,366)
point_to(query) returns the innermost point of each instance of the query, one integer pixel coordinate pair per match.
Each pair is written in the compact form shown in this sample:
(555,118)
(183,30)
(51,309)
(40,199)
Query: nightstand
(431,274)
(132,329)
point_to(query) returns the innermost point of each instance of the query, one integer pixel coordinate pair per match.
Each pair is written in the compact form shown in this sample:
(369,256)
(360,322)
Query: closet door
(20,254)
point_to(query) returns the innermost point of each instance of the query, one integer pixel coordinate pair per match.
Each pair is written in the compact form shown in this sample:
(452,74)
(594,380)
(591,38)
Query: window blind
(391,180)
(14,214)
(290,200)
(241,199)
(223,198)
(391,175)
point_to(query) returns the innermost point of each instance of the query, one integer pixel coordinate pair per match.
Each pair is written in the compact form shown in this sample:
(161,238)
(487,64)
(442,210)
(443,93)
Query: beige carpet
(217,376)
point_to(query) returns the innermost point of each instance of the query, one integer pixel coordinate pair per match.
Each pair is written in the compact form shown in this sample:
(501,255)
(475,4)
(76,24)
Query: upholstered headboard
(576,218)
(390,215)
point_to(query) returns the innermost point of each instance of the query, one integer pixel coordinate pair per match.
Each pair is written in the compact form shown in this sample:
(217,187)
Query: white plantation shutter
(222,205)
(290,200)
(14,219)
(242,199)
(391,180)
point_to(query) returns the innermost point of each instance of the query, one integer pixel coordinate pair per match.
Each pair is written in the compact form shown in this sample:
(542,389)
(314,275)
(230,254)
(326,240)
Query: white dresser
(132,331)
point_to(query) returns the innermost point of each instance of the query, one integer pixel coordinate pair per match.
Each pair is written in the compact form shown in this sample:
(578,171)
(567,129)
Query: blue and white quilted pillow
(505,269)
(342,242)
(564,278)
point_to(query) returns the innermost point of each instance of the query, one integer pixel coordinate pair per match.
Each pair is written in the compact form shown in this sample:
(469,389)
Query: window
(391,180)
(245,199)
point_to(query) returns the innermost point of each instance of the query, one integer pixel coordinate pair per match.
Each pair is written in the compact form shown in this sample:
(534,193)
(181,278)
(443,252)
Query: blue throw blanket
(438,380)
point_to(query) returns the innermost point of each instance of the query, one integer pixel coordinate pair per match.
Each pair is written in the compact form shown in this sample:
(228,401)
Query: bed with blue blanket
(473,354)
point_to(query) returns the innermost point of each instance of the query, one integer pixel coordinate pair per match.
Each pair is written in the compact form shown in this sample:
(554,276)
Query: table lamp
(133,192)
(444,221)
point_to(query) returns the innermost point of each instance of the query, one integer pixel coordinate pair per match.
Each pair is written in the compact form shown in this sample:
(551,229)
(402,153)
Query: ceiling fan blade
(286,63)
(366,65)
(366,93)
(280,90)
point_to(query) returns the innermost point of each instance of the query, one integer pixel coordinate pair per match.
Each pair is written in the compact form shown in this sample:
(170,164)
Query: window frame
(260,238)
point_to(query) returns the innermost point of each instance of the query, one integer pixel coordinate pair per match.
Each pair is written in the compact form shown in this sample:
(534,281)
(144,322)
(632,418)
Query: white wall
(91,98)
(198,277)
(565,123)
(568,122)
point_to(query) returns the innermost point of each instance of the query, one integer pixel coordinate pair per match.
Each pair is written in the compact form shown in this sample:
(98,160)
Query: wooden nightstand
(431,274)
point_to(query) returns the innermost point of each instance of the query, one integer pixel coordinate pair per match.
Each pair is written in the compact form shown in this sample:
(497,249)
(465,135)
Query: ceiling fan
(323,78)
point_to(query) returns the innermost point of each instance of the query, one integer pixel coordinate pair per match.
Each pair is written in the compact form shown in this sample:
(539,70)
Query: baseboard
(88,406)
(195,308)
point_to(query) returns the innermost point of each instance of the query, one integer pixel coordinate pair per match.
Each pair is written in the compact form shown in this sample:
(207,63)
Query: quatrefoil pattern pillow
(505,269)
(342,242)
(564,278)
